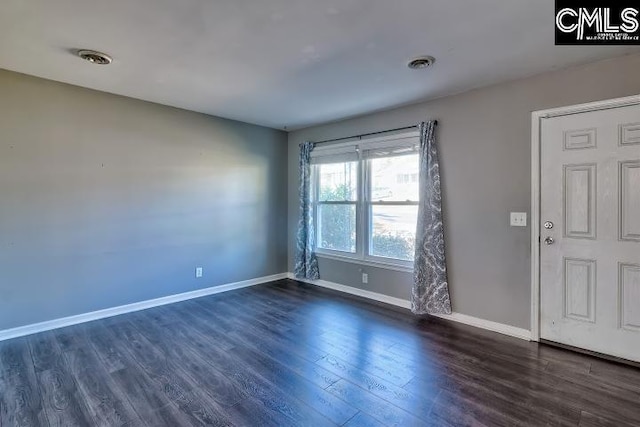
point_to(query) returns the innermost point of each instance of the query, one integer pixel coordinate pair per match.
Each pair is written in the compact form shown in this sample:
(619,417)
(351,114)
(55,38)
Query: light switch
(518,219)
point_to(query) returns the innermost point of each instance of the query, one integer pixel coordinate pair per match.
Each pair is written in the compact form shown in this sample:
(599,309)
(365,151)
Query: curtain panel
(430,292)
(306,263)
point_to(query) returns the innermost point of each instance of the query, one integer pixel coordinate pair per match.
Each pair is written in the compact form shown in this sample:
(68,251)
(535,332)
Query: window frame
(364,210)
(316,203)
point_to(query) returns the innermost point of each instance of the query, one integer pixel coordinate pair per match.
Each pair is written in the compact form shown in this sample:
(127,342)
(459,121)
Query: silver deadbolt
(548,225)
(549,240)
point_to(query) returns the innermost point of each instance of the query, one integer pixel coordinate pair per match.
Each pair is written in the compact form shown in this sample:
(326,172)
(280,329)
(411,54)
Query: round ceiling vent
(94,57)
(421,62)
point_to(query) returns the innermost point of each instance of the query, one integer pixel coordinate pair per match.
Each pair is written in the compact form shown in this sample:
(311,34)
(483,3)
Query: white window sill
(369,263)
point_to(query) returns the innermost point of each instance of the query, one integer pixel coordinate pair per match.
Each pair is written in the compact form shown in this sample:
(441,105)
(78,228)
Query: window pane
(393,231)
(338,181)
(337,227)
(394,178)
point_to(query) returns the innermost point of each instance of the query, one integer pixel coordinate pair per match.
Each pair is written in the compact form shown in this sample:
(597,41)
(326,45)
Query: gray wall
(484,138)
(106,200)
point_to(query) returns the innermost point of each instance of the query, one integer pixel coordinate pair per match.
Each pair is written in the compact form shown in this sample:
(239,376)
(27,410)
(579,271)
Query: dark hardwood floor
(289,354)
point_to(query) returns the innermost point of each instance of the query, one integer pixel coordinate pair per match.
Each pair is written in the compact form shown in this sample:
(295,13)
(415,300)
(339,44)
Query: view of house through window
(394,206)
(367,209)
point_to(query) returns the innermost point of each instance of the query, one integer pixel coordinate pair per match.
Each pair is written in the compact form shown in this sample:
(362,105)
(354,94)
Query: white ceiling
(285,63)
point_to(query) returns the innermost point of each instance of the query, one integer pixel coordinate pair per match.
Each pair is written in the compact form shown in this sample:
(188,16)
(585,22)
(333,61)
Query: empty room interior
(319,213)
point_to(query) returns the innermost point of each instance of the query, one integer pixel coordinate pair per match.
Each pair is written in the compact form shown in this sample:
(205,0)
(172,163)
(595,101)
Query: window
(336,206)
(393,207)
(405,178)
(365,200)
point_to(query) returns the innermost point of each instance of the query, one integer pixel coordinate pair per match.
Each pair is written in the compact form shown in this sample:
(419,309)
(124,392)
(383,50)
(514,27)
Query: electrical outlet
(518,219)
(365,278)
(198,272)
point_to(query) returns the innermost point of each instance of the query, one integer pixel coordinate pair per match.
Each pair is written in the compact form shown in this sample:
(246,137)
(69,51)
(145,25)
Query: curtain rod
(369,134)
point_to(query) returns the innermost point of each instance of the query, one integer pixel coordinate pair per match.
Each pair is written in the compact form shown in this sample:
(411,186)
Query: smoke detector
(94,57)
(421,62)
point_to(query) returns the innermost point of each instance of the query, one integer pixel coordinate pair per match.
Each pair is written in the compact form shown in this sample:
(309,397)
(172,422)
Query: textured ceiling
(285,63)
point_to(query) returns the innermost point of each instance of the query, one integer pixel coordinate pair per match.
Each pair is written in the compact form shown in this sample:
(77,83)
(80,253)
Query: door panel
(580,284)
(580,201)
(630,133)
(630,200)
(590,270)
(629,296)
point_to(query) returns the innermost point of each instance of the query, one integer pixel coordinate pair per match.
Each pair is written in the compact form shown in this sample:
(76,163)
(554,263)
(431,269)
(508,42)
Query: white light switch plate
(518,219)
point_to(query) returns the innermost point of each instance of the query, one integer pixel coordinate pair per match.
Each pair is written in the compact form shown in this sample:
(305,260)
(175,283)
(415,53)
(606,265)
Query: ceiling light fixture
(94,57)
(421,62)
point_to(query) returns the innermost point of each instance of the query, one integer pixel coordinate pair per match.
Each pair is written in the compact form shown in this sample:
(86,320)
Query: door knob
(549,240)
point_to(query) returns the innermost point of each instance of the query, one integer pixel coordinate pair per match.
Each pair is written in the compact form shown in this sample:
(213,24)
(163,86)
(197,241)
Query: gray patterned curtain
(430,293)
(306,264)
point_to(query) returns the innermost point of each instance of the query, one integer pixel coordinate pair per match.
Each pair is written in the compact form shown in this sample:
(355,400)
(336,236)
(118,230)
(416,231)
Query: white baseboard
(137,306)
(500,328)
(399,302)
(143,305)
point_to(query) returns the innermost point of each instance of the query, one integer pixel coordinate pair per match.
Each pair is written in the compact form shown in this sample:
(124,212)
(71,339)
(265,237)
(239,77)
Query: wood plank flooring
(289,354)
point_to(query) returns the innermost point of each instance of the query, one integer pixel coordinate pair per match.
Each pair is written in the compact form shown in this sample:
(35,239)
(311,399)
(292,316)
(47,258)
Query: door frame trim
(536,143)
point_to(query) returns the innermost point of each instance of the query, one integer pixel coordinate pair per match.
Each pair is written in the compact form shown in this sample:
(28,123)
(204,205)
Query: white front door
(590,231)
